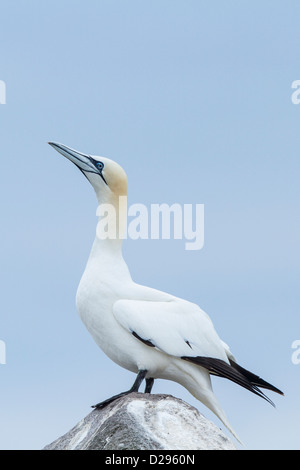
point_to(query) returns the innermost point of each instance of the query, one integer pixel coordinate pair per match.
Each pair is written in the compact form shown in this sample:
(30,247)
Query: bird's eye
(99,166)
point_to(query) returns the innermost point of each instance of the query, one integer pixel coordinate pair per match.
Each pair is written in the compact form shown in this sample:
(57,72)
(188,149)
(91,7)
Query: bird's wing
(228,352)
(176,327)
(181,329)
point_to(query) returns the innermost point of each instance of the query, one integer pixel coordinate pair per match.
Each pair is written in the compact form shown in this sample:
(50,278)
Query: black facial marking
(99,167)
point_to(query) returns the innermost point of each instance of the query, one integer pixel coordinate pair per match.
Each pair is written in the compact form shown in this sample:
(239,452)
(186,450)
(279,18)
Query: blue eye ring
(99,166)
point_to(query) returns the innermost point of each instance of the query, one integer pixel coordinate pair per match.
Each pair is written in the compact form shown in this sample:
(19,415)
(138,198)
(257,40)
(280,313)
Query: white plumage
(146,331)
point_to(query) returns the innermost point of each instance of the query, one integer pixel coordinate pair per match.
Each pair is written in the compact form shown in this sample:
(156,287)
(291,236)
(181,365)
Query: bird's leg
(149,385)
(135,387)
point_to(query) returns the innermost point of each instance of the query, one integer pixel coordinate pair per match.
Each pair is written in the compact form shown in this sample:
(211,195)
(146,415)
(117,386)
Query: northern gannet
(151,333)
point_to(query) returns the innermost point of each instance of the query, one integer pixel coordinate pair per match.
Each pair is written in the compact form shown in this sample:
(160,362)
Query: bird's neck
(111,226)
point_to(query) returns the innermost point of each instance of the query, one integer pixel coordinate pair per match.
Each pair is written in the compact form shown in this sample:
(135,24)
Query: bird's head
(106,176)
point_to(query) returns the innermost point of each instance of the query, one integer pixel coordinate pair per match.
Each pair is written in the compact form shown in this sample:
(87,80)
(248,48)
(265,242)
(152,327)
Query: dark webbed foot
(104,403)
(135,387)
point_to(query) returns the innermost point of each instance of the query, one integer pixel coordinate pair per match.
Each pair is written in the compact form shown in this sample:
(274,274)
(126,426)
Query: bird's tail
(221,415)
(208,397)
(198,382)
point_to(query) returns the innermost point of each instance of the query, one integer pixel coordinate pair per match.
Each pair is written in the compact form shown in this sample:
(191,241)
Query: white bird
(151,333)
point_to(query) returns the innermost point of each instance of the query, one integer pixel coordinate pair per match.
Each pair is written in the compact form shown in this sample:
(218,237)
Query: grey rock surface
(144,422)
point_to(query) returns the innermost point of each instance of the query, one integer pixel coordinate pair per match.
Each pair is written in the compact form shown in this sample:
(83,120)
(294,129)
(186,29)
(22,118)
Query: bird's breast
(94,301)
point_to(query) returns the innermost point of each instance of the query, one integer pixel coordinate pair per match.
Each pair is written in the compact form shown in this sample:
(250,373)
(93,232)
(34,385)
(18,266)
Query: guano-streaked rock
(144,422)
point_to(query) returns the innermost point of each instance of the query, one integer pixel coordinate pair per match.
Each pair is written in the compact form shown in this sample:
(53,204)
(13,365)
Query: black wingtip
(235,373)
(255,379)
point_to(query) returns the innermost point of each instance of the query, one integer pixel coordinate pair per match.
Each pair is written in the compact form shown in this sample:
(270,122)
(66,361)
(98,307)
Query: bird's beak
(82,161)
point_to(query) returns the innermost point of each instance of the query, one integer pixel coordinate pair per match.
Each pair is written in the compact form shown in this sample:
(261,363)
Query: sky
(194,100)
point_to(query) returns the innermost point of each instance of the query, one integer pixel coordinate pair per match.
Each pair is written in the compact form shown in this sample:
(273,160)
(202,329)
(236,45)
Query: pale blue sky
(193,99)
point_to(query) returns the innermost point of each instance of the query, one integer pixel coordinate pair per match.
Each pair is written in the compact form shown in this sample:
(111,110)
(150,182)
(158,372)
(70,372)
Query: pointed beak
(82,161)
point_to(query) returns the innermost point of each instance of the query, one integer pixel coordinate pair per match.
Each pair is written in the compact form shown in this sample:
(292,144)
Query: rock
(144,422)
